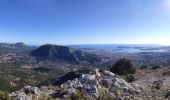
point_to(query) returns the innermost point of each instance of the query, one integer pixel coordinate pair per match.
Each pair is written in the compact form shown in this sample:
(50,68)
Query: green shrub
(123,67)
(144,67)
(4,96)
(166,73)
(103,95)
(79,96)
(155,67)
(130,78)
(43,97)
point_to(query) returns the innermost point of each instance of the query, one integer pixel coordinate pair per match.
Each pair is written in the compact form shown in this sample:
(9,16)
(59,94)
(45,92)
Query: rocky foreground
(100,85)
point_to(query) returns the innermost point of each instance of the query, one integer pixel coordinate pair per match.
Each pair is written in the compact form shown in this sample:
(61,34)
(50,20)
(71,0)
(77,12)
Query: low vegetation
(155,67)
(4,95)
(13,78)
(123,67)
(130,78)
(143,67)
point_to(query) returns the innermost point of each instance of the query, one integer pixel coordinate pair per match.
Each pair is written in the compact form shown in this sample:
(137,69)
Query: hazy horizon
(74,22)
(91,44)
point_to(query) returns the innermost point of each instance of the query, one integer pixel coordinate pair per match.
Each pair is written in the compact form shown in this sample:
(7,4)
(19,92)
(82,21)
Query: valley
(23,65)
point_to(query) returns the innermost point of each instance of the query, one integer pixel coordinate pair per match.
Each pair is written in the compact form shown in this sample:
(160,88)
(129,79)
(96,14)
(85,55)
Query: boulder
(30,90)
(167,95)
(157,84)
(105,83)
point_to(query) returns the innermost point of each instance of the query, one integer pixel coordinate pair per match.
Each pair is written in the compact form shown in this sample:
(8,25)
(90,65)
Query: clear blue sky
(85,21)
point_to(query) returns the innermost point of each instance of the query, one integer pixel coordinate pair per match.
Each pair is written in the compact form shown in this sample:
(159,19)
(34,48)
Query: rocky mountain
(101,85)
(52,52)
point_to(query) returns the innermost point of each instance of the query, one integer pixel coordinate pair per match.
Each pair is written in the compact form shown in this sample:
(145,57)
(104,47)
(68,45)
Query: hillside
(56,52)
(6,48)
(91,86)
(103,85)
(61,72)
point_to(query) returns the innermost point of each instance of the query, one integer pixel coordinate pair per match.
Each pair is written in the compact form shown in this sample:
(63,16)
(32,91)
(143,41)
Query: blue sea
(130,48)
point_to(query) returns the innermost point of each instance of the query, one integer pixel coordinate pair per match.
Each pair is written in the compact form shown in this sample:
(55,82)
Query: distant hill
(18,45)
(15,48)
(52,52)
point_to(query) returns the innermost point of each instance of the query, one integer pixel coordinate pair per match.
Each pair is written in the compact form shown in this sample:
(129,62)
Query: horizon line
(67,44)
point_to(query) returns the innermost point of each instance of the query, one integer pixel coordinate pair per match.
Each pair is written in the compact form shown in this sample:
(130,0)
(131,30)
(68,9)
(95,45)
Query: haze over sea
(129,48)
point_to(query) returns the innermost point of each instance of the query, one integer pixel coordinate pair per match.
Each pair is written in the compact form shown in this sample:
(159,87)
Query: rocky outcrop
(95,85)
(92,84)
(31,93)
(63,53)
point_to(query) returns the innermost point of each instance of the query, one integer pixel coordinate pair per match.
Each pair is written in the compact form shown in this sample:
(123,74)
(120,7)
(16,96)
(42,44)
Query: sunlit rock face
(92,85)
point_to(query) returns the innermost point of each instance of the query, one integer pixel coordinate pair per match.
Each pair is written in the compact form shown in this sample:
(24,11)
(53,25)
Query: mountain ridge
(52,52)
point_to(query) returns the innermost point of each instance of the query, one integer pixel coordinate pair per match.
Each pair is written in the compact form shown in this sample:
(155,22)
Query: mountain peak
(53,52)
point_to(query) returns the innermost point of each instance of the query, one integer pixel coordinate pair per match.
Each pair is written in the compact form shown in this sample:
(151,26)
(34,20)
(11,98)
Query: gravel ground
(148,78)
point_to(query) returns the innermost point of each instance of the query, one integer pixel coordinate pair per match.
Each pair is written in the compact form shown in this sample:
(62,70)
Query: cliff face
(63,53)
